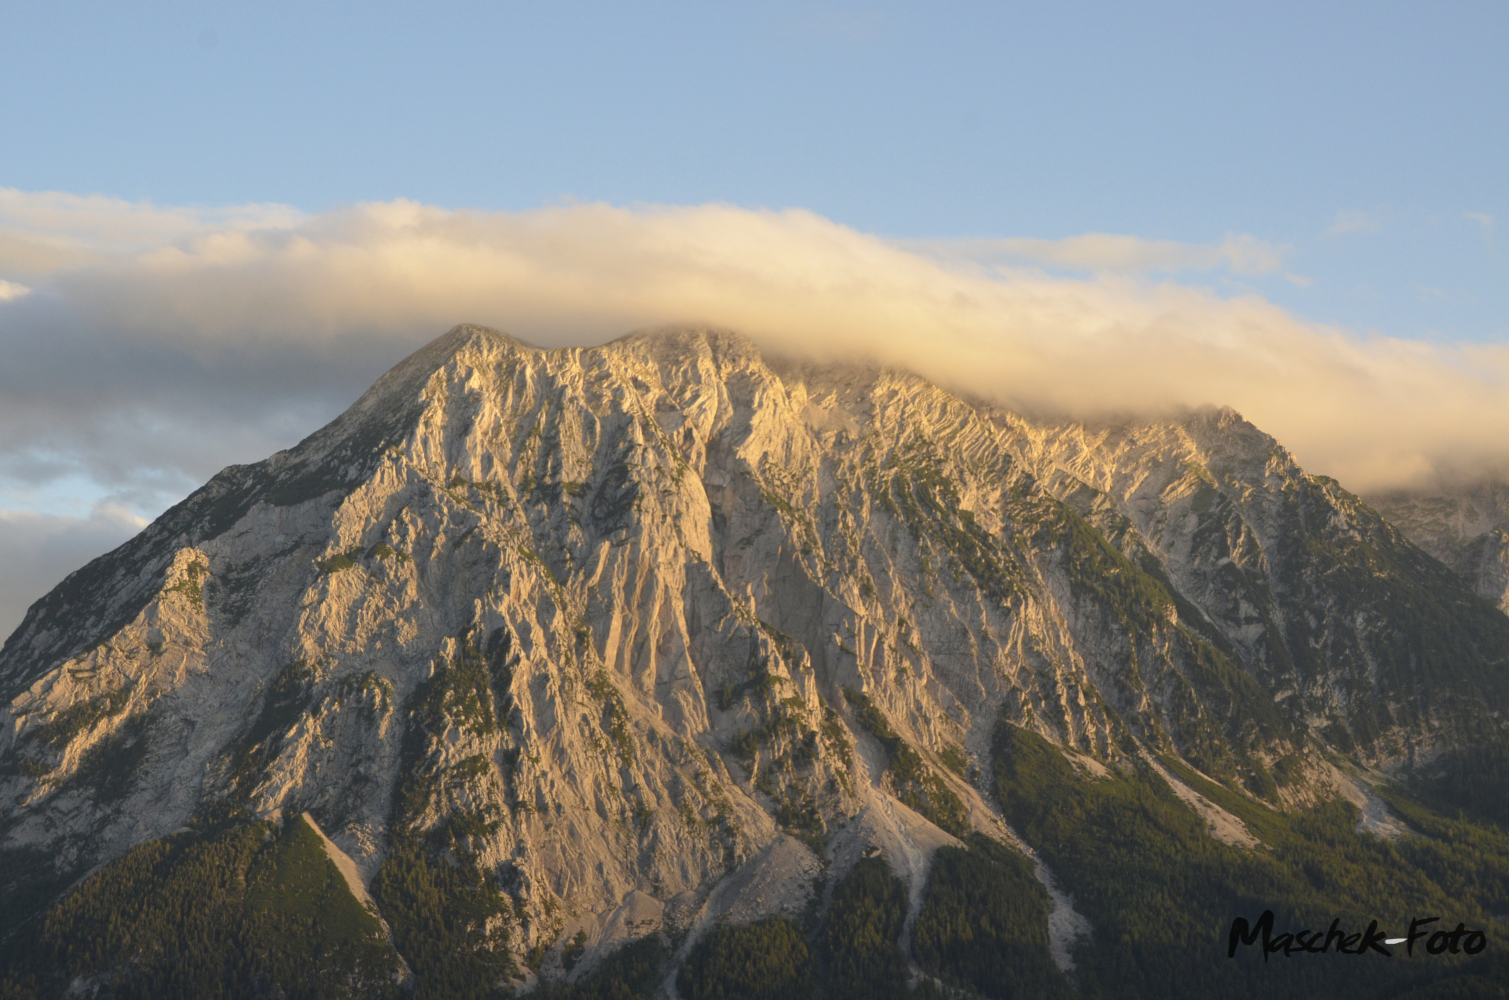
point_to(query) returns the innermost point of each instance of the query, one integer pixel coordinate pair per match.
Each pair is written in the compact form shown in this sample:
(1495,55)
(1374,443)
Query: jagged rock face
(1465,529)
(1343,623)
(614,623)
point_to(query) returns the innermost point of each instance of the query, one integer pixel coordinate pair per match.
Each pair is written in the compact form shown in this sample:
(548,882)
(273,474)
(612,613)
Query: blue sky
(219,223)
(1367,140)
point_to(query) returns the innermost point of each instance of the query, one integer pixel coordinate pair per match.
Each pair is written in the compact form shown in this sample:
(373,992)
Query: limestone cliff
(646,634)
(1465,528)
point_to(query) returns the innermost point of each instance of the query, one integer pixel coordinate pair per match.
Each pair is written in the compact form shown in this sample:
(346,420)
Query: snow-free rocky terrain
(1464,528)
(667,635)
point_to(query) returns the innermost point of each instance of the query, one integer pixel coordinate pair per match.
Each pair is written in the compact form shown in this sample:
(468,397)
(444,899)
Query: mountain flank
(1464,528)
(666,668)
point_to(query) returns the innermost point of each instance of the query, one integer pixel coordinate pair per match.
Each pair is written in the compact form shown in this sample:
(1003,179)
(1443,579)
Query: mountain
(668,667)
(1464,528)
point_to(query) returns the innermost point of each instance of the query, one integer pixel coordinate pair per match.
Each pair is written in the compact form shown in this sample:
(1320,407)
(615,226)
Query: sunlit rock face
(642,630)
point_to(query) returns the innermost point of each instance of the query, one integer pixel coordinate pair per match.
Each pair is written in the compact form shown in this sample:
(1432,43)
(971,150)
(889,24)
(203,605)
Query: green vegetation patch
(615,717)
(760,682)
(382,550)
(80,717)
(1464,856)
(768,960)
(912,487)
(192,584)
(449,921)
(837,740)
(109,767)
(1161,893)
(780,722)
(289,697)
(1142,604)
(340,562)
(1473,780)
(984,924)
(799,816)
(912,780)
(244,910)
(858,940)
(633,972)
(790,649)
(572,952)
(36,754)
(30,880)
(954,759)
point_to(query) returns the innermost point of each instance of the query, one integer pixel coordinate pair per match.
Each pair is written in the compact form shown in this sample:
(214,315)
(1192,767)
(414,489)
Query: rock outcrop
(653,632)
(1465,529)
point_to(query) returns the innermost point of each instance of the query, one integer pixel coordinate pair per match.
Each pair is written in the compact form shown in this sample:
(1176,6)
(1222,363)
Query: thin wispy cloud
(1106,253)
(1487,228)
(41,232)
(1353,220)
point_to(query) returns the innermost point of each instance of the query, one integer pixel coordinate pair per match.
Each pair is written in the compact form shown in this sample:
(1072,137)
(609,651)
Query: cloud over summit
(212,332)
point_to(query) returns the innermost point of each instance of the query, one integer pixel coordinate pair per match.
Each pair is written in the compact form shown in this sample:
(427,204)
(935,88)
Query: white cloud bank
(157,344)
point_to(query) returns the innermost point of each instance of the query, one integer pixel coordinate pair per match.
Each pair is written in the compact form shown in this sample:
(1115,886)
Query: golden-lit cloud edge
(269,282)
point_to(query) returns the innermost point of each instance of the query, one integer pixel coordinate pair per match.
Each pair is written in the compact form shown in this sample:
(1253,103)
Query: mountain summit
(539,668)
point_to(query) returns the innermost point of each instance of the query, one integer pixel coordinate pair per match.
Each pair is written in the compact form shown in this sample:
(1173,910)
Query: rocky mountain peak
(656,632)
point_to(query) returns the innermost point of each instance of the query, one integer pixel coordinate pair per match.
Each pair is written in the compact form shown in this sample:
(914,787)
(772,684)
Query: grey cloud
(38,551)
(205,339)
